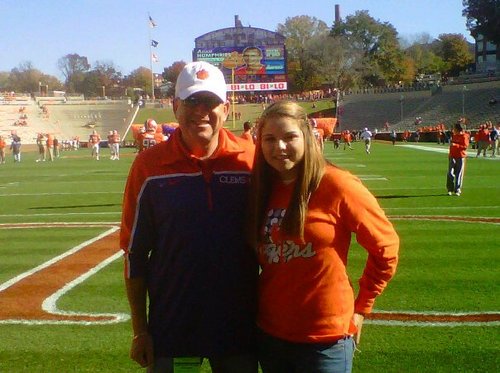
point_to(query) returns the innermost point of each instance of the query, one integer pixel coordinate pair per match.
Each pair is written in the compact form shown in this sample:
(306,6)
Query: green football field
(439,314)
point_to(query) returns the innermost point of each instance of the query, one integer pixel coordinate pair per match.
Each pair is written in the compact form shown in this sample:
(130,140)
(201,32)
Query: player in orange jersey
(347,139)
(3,144)
(50,146)
(146,138)
(116,145)
(94,144)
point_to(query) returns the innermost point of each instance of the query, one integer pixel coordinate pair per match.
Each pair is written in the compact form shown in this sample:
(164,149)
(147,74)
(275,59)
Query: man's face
(200,118)
(252,57)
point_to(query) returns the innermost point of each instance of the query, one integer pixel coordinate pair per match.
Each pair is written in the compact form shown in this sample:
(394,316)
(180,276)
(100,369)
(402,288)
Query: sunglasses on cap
(208,101)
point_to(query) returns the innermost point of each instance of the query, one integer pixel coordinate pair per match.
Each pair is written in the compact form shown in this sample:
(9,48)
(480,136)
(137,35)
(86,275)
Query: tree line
(359,51)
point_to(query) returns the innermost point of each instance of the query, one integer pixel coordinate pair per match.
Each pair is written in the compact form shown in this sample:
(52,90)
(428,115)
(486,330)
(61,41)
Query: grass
(445,266)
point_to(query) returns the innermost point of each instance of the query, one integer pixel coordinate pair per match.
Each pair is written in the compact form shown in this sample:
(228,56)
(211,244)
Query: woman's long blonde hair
(310,171)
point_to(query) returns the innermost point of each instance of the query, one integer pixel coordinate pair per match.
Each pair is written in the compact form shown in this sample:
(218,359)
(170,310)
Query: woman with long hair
(303,211)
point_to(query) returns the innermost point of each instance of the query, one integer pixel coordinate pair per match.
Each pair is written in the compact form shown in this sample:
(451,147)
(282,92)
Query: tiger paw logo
(202,74)
(272,225)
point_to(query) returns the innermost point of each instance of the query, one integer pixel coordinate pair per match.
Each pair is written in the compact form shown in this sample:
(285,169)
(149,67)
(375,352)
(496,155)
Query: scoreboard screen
(251,68)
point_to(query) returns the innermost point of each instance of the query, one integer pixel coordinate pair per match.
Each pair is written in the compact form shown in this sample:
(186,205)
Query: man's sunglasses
(208,101)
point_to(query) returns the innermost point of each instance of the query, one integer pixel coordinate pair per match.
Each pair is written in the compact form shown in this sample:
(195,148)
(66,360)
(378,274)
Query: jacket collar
(175,150)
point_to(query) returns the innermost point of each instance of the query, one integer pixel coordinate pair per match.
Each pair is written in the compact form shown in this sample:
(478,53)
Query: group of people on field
(236,248)
(114,140)
(48,147)
(487,137)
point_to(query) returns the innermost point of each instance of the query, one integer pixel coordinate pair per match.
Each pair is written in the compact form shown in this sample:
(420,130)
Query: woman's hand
(358,321)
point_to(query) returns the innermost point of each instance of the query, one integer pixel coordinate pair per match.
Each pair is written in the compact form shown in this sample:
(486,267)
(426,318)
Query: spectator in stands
(94,144)
(3,144)
(303,212)
(182,231)
(456,159)
(366,136)
(15,146)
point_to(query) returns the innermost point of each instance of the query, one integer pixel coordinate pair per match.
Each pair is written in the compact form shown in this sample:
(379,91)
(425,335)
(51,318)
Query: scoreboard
(271,59)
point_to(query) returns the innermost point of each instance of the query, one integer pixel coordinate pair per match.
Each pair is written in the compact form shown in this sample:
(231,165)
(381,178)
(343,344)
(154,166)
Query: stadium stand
(64,118)
(445,105)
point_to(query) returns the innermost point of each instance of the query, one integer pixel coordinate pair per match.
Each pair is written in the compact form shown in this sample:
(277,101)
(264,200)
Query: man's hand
(142,349)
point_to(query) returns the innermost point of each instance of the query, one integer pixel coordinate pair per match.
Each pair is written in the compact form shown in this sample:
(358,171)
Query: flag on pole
(154,43)
(155,58)
(152,23)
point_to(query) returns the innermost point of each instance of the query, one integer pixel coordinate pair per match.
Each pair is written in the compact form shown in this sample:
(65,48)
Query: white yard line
(50,304)
(470,153)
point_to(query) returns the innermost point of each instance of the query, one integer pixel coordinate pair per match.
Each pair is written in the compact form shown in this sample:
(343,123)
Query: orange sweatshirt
(304,292)
(458,145)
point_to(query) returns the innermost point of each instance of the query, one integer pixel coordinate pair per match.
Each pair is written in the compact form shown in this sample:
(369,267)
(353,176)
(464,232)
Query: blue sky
(42,31)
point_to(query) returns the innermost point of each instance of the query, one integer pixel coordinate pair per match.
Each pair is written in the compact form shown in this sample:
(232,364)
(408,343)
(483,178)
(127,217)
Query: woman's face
(283,146)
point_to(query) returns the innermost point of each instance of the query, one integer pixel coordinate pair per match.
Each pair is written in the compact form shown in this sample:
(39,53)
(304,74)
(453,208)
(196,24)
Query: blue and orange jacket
(182,230)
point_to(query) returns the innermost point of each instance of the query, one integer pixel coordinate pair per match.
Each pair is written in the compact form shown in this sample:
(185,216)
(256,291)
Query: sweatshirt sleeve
(375,233)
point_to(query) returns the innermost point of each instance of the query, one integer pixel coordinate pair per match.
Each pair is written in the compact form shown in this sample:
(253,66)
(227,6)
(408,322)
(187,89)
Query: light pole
(401,102)
(39,88)
(46,89)
(103,91)
(463,100)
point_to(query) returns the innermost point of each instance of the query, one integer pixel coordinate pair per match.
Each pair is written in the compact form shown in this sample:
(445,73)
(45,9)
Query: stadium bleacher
(75,117)
(372,110)
(66,119)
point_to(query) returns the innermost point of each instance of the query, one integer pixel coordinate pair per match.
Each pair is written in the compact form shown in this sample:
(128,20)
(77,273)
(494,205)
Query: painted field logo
(31,297)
